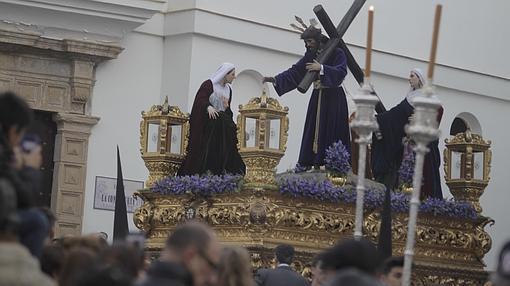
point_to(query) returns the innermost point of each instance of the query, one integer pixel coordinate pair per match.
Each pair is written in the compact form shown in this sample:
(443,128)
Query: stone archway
(58,76)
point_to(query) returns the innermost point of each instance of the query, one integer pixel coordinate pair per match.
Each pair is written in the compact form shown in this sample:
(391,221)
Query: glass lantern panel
(152,137)
(457,168)
(478,166)
(273,133)
(175,139)
(250,132)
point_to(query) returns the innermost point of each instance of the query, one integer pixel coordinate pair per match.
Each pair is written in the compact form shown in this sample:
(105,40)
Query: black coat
(166,274)
(280,276)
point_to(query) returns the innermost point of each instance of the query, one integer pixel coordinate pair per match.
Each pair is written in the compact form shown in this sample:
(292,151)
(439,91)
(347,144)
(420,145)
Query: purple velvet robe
(333,124)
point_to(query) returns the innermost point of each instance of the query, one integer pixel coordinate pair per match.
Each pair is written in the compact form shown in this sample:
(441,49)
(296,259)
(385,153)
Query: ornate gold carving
(163,162)
(144,214)
(466,187)
(447,250)
(260,169)
(262,158)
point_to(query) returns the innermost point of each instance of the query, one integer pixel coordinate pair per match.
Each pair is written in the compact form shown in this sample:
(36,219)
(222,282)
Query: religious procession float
(445,240)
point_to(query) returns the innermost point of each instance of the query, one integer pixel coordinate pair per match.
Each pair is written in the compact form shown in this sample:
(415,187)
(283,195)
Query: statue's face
(414,81)
(229,78)
(311,45)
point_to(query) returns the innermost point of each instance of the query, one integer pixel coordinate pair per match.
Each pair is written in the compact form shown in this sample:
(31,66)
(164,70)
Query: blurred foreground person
(235,267)
(392,271)
(17,266)
(190,258)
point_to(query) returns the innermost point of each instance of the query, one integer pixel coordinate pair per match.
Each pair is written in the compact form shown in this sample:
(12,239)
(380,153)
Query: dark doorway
(46,129)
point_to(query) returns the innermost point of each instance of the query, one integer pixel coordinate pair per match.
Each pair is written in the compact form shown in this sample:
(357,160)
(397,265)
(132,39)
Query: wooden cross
(335,40)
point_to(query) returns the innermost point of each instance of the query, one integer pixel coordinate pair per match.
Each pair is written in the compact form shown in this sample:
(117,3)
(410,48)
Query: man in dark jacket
(283,273)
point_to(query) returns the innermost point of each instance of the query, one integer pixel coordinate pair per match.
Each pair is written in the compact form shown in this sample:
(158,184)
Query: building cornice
(86,20)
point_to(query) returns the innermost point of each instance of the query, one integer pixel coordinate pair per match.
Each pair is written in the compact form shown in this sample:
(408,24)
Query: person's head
(91,242)
(352,276)
(52,260)
(235,267)
(317,275)
(231,75)
(350,253)
(104,275)
(15,117)
(196,247)
(392,271)
(416,79)
(502,275)
(313,38)
(226,73)
(77,263)
(284,253)
(126,257)
(51,219)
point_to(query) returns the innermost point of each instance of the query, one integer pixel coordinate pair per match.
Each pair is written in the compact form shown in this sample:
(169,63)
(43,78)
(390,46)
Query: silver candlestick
(364,124)
(422,129)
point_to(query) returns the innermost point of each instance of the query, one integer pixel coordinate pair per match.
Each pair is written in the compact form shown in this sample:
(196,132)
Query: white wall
(472,34)
(124,87)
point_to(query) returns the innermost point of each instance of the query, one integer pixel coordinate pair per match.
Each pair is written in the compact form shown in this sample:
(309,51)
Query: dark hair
(284,253)
(102,275)
(78,262)
(189,234)
(311,33)
(14,112)
(359,254)
(126,257)
(391,262)
(353,276)
(314,33)
(52,260)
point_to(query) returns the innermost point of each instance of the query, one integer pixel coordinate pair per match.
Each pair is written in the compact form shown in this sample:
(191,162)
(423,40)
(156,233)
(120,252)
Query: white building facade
(170,47)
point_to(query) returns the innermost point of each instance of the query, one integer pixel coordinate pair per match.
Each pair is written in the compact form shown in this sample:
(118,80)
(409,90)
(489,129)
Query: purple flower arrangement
(314,188)
(324,190)
(406,170)
(205,185)
(337,159)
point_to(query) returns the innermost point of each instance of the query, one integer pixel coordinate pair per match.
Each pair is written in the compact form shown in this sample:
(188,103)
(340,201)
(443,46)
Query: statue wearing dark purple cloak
(388,148)
(212,142)
(328,100)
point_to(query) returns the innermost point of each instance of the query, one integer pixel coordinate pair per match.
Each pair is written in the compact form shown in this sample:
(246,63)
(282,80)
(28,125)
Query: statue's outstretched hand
(268,79)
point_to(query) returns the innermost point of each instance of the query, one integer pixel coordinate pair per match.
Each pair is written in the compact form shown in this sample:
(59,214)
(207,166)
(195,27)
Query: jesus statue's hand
(268,79)
(315,66)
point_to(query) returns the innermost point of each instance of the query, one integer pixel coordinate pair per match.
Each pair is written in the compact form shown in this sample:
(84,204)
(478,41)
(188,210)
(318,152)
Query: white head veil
(420,76)
(412,92)
(220,91)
